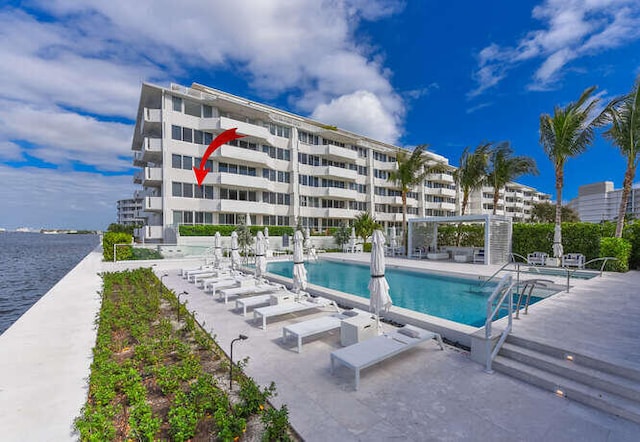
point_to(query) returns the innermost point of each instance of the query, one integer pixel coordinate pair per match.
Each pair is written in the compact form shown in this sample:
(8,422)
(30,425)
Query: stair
(590,381)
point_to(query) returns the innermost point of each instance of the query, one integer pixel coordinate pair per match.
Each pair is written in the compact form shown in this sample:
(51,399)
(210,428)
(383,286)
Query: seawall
(45,358)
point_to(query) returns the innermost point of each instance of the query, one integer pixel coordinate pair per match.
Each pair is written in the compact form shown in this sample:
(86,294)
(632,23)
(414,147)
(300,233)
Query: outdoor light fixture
(569,357)
(162,277)
(178,296)
(559,393)
(239,338)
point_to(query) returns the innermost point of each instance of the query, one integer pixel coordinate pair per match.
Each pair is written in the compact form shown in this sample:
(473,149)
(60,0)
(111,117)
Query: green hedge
(226,230)
(576,238)
(618,248)
(111,238)
(471,235)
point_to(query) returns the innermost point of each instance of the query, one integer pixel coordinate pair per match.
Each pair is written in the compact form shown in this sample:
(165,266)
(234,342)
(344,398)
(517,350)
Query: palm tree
(472,171)
(504,168)
(364,225)
(412,170)
(624,115)
(567,134)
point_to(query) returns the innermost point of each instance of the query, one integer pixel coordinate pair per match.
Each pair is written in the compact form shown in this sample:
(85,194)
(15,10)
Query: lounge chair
(255,289)
(573,260)
(438,256)
(186,273)
(290,307)
(537,258)
(198,278)
(367,353)
(264,300)
(229,282)
(316,326)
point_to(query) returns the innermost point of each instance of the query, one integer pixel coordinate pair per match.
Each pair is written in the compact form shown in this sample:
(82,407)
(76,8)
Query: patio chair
(573,260)
(301,305)
(316,326)
(229,282)
(537,258)
(367,353)
(186,273)
(259,288)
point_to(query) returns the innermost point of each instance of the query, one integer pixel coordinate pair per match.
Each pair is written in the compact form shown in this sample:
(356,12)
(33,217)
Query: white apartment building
(516,200)
(286,170)
(599,202)
(129,209)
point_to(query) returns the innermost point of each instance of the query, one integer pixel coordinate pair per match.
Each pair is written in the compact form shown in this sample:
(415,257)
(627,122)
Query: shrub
(471,235)
(576,238)
(618,248)
(111,238)
(366,247)
(225,230)
(529,238)
(632,234)
(341,235)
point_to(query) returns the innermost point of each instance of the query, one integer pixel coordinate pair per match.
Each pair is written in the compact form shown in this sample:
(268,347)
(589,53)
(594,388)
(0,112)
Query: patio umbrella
(266,243)
(558,251)
(379,298)
(261,259)
(247,220)
(352,240)
(307,238)
(393,241)
(217,250)
(235,256)
(299,271)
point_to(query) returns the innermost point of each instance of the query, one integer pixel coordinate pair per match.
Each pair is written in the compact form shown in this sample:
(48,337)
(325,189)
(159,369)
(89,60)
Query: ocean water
(32,263)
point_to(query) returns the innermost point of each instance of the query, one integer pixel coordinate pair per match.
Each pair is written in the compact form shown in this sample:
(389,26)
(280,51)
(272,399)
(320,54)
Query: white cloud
(571,29)
(477,107)
(10,151)
(48,198)
(360,112)
(60,137)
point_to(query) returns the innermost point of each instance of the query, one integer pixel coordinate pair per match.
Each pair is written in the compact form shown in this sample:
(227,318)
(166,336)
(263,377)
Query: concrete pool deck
(424,394)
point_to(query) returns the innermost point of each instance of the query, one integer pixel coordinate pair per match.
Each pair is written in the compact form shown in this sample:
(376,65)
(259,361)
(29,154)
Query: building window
(187,134)
(177,104)
(207,111)
(176,189)
(176,161)
(176,132)
(280,131)
(192,108)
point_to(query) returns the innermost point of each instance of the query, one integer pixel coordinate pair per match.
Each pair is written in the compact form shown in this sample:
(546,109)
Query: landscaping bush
(225,230)
(618,248)
(366,247)
(471,235)
(111,238)
(528,238)
(632,234)
(576,238)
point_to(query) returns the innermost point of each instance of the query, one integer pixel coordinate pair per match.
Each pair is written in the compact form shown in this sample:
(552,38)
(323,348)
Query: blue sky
(447,74)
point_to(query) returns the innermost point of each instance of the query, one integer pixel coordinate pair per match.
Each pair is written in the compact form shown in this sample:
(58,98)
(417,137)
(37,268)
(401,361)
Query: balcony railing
(153,204)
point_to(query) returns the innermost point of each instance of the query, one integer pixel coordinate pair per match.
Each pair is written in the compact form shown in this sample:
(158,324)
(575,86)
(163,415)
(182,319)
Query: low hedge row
(591,240)
(111,238)
(226,230)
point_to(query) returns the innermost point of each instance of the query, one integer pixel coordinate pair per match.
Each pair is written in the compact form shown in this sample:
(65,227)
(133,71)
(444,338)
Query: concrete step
(579,359)
(594,378)
(570,389)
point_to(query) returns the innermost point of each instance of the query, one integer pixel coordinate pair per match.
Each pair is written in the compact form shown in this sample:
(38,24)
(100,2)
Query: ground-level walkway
(424,394)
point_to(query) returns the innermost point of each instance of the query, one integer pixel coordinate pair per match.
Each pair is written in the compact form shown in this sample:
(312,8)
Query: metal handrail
(504,266)
(531,284)
(502,291)
(604,262)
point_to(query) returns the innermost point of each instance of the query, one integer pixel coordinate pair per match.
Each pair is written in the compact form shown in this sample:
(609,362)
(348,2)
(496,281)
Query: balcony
(152,115)
(253,207)
(153,204)
(248,129)
(396,200)
(441,191)
(137,177)
(439,206)
(137,159)
(440,178)
(387,165)
(241,181)
(333,192)
(245,156)
(339,213)
(335,152)
(152,149)
(151,176)
(337,173)
(390,217)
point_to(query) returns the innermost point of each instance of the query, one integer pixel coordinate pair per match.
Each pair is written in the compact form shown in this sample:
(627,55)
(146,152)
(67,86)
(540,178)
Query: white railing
(502,293)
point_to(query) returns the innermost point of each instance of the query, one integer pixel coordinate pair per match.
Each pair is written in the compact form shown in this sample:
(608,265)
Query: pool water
(456,299)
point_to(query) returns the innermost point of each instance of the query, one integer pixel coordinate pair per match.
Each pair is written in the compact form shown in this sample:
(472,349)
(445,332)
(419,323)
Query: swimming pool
(457,299)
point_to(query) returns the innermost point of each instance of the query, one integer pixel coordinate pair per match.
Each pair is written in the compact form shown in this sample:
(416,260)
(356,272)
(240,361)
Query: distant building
(287,170)
(599,202)
(128,211)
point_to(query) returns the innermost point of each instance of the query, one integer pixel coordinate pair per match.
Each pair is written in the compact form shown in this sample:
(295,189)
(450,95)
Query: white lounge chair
(290,307)
(573,260)
(371,351)
(229,282)
(280,296)
(255,289)
(227,273)
(316,326)
(186,273)
(537,258)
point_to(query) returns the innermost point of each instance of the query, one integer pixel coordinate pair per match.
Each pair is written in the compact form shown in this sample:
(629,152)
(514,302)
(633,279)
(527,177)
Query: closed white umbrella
(247,220)
(299,271)
(261,259)
(307,238)
(393,241)
(217,250)
(235,255)
(267,245)
(379,299)
(558,250)
(352,240)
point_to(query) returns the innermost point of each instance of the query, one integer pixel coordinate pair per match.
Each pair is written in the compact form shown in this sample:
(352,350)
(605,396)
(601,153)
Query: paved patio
(424,394)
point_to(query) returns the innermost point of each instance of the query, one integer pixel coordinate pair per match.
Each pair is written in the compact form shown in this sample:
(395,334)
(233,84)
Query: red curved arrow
(218,141)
